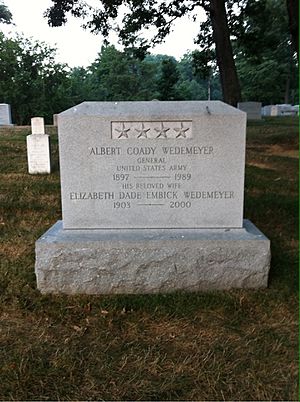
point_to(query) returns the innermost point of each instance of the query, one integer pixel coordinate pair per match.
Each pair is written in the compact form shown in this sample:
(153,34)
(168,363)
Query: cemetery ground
(225,345)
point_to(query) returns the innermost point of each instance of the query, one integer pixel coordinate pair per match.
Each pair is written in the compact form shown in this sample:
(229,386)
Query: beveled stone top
(152,109)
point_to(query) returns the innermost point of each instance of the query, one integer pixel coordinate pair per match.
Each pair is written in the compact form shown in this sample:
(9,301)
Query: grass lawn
(234,345)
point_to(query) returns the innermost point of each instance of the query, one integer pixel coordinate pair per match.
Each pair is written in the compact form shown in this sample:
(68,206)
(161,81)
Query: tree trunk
(221,35)
(293,12)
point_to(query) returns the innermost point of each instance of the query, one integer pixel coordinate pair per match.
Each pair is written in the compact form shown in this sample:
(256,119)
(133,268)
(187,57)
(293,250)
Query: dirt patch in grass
(279,150)
(261,165)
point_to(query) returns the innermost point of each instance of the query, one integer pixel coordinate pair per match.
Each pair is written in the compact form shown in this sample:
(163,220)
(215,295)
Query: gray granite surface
(253,109)
(152,165)
(5,114)
(150,261)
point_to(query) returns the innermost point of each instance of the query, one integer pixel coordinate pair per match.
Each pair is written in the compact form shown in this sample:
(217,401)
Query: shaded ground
(237,345)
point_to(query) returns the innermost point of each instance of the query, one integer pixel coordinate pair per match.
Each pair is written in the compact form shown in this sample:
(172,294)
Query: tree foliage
(34,84)
(30,79)
(259,29)
(117,75)
(139,15)
(5,14)
(168,80)
(265,60)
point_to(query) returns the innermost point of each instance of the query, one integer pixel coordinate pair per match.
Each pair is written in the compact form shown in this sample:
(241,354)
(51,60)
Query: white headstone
(266,110)
(286,110)
(281,110)
(5,114)
(37,125)
(38,148)
(274,110)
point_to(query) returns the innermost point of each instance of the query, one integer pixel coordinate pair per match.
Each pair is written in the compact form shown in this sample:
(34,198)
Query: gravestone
(5,114)
(38,148)
(274,110)
(37,125)
(286,110)
(55,120)
(152,201)
(280,110)
(266,110)
(253,109)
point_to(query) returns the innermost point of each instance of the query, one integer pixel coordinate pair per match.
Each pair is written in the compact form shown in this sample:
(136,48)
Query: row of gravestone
(280,110)
(5,115)
(255,111)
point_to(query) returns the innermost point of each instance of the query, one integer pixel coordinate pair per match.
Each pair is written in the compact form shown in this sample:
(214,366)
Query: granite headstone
(5,115)
(152,201)
(126,165)
(253,109)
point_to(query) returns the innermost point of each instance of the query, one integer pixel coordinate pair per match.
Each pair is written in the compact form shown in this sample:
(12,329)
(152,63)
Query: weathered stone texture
(151,261)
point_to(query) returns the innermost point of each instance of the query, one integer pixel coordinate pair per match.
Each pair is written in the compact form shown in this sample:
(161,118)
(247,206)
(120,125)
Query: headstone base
(151,260)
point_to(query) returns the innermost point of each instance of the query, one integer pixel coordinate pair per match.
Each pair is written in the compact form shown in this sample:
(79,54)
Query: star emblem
(142,132)
(123,132)
(181,131)
(162,132)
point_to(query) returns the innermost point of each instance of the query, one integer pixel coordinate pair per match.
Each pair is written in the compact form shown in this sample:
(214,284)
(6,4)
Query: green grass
(234,345)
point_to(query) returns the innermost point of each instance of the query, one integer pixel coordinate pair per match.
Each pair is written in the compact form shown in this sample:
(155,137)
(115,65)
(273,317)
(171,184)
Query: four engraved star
(123,132)
(162,131)
(181,131)
(142,132)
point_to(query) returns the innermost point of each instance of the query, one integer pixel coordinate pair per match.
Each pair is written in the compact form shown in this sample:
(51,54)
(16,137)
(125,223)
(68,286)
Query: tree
(30,79)
(5,14)
(168,80)
(79,85)
(117,75)
(189,85)
(161,15)
(265,60)
(224,54)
